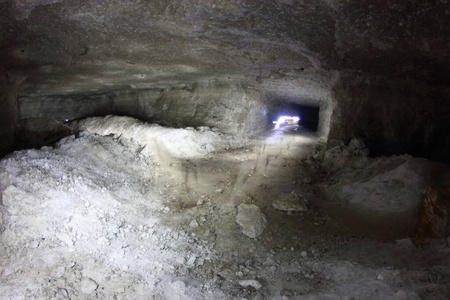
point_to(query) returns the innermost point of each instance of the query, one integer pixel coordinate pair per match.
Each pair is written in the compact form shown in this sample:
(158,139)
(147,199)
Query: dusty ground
(105,217)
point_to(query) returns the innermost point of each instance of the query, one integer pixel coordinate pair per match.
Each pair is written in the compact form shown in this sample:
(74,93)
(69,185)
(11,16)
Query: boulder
(251,220)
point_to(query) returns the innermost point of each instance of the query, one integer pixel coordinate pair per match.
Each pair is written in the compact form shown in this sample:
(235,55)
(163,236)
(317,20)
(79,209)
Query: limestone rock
(194,224)
(250,283)
(290,203)
(88,285)
(251,220)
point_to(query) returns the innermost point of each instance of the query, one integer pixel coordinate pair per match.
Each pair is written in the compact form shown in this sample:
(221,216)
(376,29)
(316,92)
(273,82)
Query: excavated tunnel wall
(8,112)
(233,108)
(393,116)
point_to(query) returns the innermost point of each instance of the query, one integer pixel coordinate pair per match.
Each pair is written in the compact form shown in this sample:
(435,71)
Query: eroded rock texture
(377,70)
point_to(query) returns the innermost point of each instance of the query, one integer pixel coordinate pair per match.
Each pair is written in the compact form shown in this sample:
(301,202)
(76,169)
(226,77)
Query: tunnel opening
(295,115)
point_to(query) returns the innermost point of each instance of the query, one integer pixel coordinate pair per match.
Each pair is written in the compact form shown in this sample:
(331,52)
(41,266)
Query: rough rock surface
(229,105)
(251,220)
(38,132)
(168,43)
(377,70)
(392,187)
(96,217)
(179,143)
(291,203)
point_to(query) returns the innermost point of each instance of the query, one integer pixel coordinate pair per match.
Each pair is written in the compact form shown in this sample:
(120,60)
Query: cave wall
(392,115)
(8,111)
(70,107)
(232,107)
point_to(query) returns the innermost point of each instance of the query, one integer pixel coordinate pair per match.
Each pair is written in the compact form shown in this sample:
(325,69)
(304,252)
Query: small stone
(181,260)
(304,254)
(200,262)
(194,224)
(103,241)
(380,277)
(59,271)
(250,283)
(401,295)
(64,237)
(406,243)
(34,244)
(219,191)
(203,128)
(192,260)
(200,202)
(209,147)
(63,292)
(356,144)
(291,203)
(258,296)
(88,285)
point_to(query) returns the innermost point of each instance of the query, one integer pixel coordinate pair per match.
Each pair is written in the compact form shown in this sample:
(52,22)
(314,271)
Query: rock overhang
(76,46)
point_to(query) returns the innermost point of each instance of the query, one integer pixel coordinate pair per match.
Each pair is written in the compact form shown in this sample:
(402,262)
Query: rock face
(390,188)
(8,111)
(251,220)
(393,116)
(377,71)
(38,132)
(229,106)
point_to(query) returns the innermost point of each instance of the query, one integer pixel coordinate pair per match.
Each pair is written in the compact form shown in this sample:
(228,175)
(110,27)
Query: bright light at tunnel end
(286,121)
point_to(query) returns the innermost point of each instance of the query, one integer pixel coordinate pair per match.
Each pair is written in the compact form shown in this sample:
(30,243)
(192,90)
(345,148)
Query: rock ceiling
(73,46)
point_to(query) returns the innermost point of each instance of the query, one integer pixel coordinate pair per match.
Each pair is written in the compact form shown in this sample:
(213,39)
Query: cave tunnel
(139,160)
(309,115)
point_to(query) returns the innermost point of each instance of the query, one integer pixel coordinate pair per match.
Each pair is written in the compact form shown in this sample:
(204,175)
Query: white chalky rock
(192,260)
(194,224)
(251,220)
(88,285)
(251,282)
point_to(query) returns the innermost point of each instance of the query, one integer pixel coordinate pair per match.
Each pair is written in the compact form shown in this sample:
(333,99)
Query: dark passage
(309,115)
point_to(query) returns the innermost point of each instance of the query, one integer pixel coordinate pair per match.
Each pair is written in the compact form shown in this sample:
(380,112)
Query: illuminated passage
(290,122)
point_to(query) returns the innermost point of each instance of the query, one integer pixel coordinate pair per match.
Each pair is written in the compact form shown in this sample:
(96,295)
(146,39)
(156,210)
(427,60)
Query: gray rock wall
(392,115)
(233,108)
(8,111)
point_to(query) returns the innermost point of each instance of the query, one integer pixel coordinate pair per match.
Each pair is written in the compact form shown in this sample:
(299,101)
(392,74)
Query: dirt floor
(107,217)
